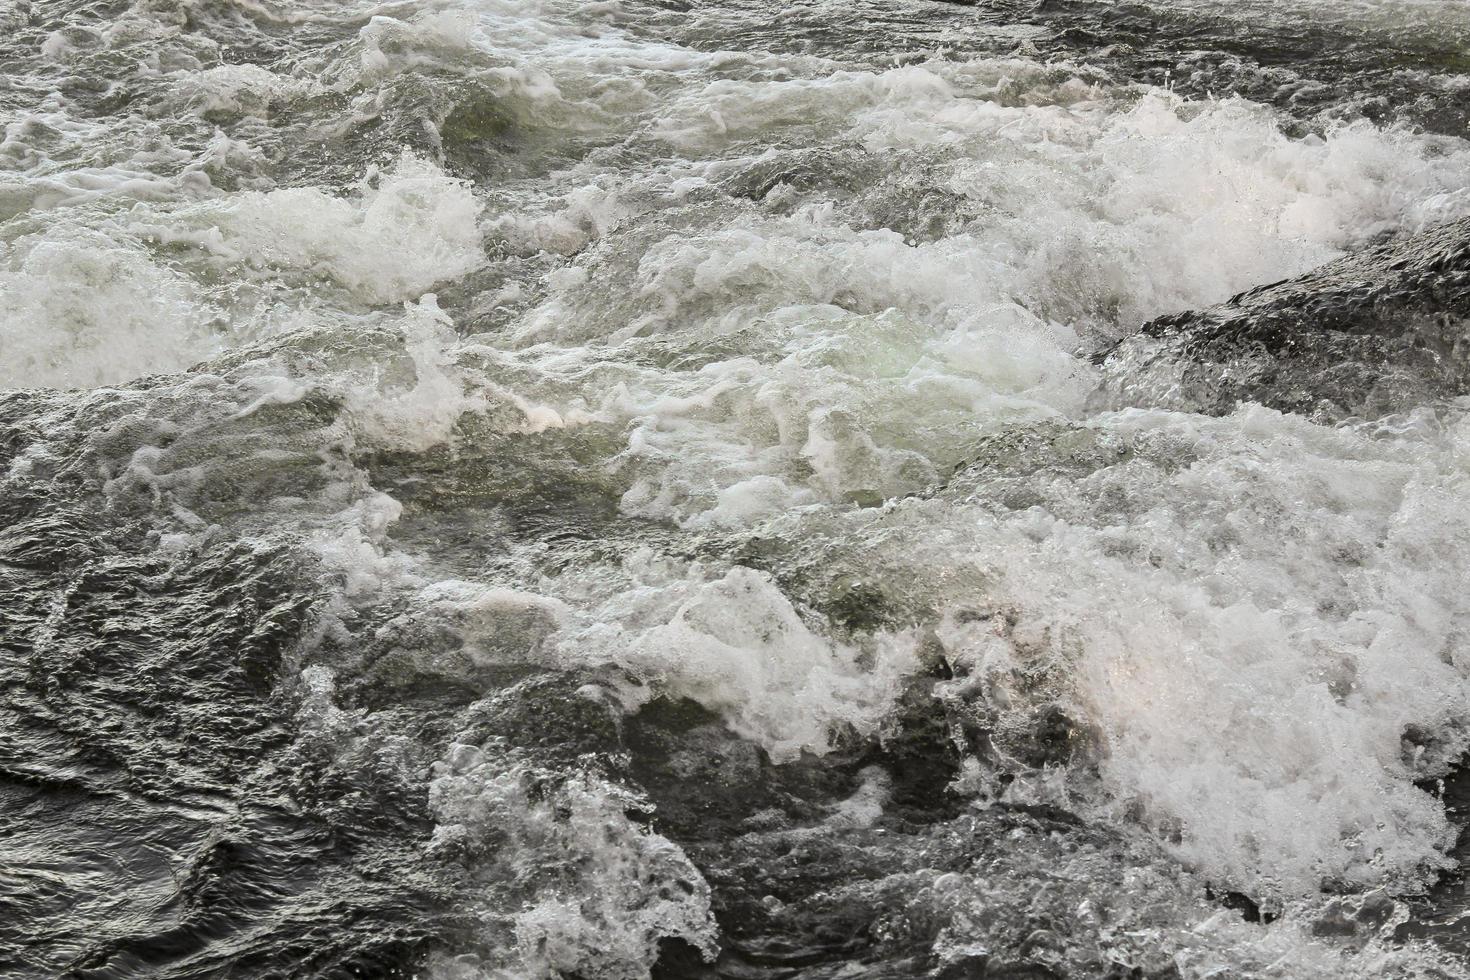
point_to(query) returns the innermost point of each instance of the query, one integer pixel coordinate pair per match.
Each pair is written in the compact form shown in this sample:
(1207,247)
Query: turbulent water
(730,488)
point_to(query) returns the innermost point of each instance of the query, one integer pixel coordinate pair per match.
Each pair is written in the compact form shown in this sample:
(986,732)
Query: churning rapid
(862,489)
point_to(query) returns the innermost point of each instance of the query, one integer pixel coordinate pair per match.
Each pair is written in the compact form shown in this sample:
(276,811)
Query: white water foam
(573,886)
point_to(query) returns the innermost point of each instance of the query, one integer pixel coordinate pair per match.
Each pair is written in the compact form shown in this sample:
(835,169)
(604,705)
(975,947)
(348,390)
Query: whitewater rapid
(505,489)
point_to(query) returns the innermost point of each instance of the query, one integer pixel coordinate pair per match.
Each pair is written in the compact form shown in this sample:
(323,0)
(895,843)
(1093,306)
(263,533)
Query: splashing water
(531,489)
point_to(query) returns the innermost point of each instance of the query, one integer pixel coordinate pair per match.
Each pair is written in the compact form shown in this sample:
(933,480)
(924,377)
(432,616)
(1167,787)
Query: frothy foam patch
(829,362)
(735,644)
(54,160)
(86,306)
(421,413)
(1152,918)
(80,309)
(353,544)
(571,884)
(1261,617)
(395,237)
(391,46)
(1096,213)
(1311,634)
(729,640)
(238,90)
(826,406)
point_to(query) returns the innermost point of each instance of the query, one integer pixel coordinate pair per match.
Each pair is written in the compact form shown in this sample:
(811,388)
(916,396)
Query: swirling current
(682,489)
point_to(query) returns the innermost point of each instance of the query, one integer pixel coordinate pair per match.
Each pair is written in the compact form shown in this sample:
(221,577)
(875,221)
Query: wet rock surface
(1301,64)
(1378,332)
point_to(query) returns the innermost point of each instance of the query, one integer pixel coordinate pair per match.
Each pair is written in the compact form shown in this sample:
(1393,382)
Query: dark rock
(1248,908)
(1379,331)
(1308,67)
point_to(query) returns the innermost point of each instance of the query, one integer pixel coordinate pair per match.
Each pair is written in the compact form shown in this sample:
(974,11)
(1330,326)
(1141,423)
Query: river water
(550,489)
